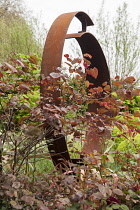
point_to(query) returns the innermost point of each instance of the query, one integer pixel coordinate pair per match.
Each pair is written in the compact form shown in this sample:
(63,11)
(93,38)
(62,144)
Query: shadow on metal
(51,59)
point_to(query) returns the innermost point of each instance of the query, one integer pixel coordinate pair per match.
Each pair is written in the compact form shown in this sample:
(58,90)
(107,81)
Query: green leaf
(102,190)
(16,205)
(115,206)
(111,159)
(13,203)
(118,192)
(109,208)
(75,206)
(136,207)
(98,195)
(64,201)
(124,207)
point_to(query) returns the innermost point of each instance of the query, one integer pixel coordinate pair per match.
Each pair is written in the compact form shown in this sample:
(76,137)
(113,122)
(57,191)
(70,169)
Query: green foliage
(126,142)
(133,104)
(131,146)
(20,86)
(17,34)
(31,98)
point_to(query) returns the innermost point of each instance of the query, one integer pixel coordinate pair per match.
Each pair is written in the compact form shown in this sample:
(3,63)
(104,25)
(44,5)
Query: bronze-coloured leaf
(12,68)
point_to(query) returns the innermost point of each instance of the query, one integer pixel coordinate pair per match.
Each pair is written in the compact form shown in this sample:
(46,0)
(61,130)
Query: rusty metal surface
(52,57)
(60,155)
(54,44)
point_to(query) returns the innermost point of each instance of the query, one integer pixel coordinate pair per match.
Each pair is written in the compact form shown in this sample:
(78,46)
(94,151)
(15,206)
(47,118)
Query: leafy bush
(107,180)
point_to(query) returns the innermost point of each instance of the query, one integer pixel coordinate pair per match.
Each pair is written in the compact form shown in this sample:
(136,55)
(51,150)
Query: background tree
(18,30)
(120,41)
(11,8)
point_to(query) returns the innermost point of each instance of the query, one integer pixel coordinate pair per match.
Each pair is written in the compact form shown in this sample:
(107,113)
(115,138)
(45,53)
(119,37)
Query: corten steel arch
(52,57)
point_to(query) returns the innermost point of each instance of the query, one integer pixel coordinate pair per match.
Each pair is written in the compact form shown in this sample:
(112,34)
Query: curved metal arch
(54,44)
(90,45)
(52,54)
(52,57)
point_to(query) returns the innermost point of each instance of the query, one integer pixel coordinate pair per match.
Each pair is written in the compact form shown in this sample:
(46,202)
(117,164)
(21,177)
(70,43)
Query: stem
(28,152)
(15,156)
(1,168)
(34,164)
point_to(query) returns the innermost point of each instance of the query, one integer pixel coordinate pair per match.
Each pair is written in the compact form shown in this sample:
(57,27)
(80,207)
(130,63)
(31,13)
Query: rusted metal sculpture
(52,57)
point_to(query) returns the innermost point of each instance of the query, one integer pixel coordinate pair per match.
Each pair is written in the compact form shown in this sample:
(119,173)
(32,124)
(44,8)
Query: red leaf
(135,123)
(87,61)
(87,83)
(104,84)
(68,64)
(18,62)
(117,84)
(1,75)
(93,72)
(136,113)
(117,77)
(77,134)
(138,130)
(107,88)
(135,92)
(59,98)
(22,119)
(100,89)
(130,80)
(85,65)
(102,110)
(33,59)
(73,123)
(87,55)
(66,55)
